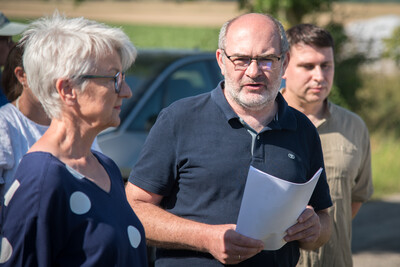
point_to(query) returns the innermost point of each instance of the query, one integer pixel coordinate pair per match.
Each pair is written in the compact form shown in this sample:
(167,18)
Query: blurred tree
(392,49)
(347,79)
(291,11)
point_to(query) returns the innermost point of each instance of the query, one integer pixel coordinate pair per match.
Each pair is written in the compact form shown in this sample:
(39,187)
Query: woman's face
(99,104)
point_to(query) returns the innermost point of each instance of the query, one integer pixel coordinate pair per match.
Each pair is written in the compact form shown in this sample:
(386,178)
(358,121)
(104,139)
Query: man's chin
(256,105)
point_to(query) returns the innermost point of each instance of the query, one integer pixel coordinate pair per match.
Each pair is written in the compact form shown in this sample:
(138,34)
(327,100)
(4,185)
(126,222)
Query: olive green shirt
(347,156)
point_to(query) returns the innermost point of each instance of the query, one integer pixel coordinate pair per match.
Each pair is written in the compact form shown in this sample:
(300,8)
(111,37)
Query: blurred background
(366,32)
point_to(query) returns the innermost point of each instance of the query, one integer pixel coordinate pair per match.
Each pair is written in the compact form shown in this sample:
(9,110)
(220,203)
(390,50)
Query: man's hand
(230,247)
(172,232)
(312,229)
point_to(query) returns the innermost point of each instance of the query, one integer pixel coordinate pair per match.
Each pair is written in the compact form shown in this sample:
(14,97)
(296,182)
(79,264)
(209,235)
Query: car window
(191,79)
(140,75)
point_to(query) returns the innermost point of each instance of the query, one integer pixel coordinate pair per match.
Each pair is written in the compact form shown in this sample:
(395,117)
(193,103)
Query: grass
(385,165)
(172,37)
(144,36)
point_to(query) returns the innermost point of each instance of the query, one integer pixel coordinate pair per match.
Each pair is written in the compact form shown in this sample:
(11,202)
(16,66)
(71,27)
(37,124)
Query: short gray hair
(284,45)
(59,47)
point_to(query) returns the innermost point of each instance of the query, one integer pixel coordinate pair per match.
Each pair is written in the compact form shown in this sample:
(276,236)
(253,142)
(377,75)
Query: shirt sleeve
(156,168)
(321,198)
(363,188)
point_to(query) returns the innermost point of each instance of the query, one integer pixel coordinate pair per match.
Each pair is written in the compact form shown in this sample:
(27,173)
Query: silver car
(158,78)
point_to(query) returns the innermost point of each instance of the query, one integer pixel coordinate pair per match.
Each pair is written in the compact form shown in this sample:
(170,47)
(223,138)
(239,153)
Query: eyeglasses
(265,63)
(118,79)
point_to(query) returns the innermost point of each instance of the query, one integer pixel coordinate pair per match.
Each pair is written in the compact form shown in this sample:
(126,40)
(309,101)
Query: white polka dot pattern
(6,250)
(134,236)
(79,203)
(10,192)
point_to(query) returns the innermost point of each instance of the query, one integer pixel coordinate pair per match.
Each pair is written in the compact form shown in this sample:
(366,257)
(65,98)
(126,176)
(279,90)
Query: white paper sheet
(271,205)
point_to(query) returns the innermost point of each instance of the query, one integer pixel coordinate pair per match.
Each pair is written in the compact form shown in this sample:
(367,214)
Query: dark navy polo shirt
(198,154)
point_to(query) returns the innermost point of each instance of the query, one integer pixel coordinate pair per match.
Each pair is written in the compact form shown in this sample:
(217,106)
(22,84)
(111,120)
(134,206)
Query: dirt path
(376,234)
(212,14)
(201,13)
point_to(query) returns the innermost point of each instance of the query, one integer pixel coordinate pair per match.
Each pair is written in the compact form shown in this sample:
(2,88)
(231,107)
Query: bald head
(253,23)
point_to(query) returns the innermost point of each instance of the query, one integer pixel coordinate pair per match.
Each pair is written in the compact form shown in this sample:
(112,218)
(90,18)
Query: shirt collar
(327,113)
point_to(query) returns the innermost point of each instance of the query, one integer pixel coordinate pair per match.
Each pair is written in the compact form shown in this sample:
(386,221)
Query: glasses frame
(251,59)
(115,77)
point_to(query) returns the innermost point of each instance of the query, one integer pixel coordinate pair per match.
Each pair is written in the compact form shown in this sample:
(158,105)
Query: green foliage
(347,79)
(385,165)
(392,49)
(77,2)
(291,11)
(336,97)
(380,98)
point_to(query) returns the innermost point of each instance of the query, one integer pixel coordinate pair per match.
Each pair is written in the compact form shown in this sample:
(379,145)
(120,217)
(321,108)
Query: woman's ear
(66,91)
(21,76)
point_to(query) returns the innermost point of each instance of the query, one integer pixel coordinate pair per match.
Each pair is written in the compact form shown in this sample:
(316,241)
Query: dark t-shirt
(198,155)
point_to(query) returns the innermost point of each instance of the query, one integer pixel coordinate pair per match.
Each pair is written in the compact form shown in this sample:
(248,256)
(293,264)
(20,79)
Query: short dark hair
(309,34)
(11,86)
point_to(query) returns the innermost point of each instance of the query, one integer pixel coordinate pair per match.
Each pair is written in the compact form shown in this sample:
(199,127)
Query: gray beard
(256,106)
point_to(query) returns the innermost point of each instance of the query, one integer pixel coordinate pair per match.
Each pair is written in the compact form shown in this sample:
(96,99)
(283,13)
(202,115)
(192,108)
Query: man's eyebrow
(258,56)
(269,55)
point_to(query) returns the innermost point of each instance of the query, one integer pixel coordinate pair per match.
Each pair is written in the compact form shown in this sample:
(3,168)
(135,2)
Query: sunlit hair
(59,47)
(284,45)
(309,34)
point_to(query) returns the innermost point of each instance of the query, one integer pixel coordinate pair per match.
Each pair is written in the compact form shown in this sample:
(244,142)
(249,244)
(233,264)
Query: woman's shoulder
(39,165)
(11,116)
(9,113)
(34,180)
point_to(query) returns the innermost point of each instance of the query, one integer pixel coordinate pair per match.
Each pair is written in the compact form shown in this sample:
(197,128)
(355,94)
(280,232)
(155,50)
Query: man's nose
(253,70)
(318,74)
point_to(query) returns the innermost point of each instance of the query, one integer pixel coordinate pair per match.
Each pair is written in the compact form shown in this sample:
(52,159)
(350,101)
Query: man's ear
(66,91)
(285,64)
(219,54)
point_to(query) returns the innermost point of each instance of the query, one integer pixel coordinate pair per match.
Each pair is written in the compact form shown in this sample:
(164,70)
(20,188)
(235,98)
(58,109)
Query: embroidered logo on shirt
(291,156)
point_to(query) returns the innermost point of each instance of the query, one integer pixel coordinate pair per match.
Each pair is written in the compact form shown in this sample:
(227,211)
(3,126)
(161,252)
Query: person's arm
(312,230)
(355,207)
(167,230)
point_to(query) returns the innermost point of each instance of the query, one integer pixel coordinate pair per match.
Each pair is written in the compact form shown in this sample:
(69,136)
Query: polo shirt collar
(326,113)
(285,118)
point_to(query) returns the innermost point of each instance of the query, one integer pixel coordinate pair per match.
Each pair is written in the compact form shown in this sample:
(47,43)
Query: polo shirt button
(258,137)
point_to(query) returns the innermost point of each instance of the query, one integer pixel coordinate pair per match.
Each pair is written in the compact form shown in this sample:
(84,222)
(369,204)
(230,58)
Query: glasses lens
(120,77)
(265,64)
(242,63)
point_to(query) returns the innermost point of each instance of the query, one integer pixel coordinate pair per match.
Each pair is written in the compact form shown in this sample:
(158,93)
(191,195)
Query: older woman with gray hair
(67,205)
